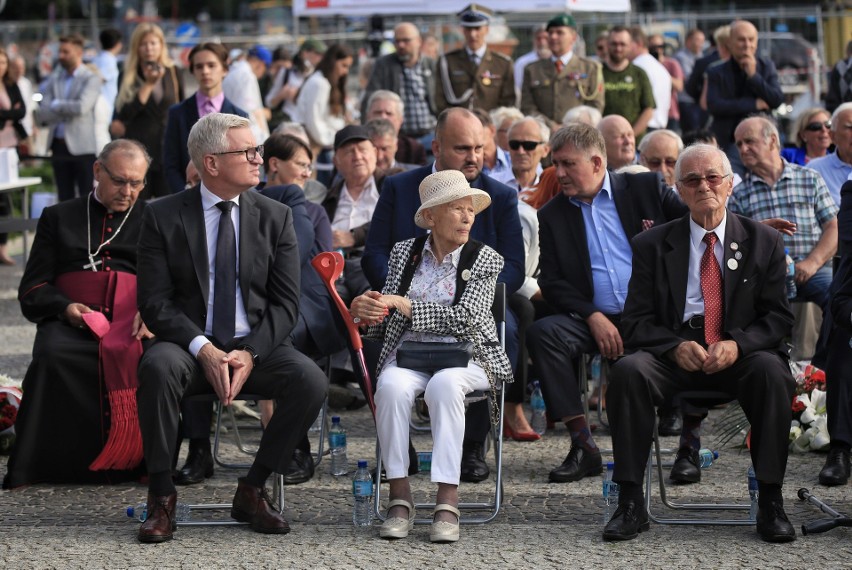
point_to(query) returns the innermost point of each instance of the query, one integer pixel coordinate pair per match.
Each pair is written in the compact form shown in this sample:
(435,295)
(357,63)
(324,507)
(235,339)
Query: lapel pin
(732,264)
(466,275)
(734,246)
(738,255)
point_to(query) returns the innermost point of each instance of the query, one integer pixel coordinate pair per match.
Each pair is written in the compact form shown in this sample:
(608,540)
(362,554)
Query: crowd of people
(636,204)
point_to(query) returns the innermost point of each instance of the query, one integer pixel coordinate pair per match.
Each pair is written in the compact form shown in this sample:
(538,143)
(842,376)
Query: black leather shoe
(301,468)
(628,521)
(836,468)
(686,469)
(670,423)
(578,464)
(198,466)
(473,466)
(773,524)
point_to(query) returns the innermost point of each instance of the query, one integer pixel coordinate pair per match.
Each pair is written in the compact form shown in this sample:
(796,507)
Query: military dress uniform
(553,94)
(487,86)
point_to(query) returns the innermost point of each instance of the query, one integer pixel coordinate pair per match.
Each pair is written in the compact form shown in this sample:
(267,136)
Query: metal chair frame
(655,461)
(493,506)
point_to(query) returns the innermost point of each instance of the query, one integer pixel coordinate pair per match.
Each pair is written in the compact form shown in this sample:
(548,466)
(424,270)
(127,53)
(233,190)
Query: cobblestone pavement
(542,525)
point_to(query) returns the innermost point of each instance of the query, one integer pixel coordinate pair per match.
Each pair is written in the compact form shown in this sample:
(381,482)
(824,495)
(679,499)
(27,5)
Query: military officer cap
(475,16)
(564,19)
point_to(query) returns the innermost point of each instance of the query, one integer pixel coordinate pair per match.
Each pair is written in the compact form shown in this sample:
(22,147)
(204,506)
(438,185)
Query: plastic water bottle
(791,275)
(706,457)
(595,367)
(337,445)
(752,493)
(362,491)
(140,512)
(611,491)
(539,412)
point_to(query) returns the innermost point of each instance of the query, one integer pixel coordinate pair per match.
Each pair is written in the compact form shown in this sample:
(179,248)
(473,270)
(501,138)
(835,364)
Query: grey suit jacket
(173,269)
(76,109)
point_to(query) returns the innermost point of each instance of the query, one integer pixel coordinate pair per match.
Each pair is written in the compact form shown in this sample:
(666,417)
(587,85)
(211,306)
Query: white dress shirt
(694,297)
(212,215)
(353,213)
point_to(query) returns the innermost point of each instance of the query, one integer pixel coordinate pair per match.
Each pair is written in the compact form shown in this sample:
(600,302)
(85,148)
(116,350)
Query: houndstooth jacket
(470,319)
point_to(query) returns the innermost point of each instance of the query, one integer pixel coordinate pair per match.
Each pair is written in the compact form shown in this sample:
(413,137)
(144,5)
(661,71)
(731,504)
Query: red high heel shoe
(508,432)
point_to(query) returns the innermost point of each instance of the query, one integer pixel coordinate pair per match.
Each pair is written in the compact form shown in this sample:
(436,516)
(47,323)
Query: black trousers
(73,173)
(167,373)
(760,381)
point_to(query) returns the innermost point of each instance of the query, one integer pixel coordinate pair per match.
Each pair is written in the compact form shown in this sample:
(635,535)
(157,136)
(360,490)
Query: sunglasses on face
(657,162)
(529,146)
(713,180)
(817,126)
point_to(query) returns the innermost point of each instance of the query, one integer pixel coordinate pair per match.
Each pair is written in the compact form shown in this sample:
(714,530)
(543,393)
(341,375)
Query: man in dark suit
(585,266)
(706,310)
(219,287)
(458,145)
(209,64)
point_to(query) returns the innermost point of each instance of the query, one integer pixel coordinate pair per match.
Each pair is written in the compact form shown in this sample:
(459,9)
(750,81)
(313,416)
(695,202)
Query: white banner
(370,7)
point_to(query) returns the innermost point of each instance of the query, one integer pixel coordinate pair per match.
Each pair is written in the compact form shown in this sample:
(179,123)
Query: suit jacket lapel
(577,227)
(192,216)
(734,233)
(249,241)
(677,263)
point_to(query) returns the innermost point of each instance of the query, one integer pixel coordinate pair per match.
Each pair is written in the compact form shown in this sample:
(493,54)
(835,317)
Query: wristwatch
(250,349)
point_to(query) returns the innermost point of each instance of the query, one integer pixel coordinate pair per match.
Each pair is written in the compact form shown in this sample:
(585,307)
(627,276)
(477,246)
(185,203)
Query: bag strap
(466,260)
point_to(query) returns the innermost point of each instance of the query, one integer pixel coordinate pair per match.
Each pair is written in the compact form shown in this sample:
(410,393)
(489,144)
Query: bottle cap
(335,419)
(610,465)
(362,464)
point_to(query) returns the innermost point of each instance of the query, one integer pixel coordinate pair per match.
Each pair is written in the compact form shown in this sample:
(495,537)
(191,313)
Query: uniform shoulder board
(502,55)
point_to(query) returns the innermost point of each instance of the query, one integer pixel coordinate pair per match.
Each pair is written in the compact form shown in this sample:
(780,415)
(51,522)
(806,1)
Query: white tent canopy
(370,7)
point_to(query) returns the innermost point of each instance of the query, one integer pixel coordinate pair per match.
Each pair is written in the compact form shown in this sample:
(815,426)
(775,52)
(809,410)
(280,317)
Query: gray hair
(500,114)
(582,114)
(702,149)
(646,140)
(543,129)
(767,128)
(836,113)
(291,128)
(632,169)
(123,146)
(385,95)
(210,135)
(380,128)
(585,138)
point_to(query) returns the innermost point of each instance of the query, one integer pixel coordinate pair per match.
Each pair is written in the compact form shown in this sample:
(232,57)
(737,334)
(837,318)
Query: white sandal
(443,531)
(398,527)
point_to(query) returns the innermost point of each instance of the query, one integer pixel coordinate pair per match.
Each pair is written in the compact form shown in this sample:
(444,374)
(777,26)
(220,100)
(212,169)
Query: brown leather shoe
(253,505)
(160,524)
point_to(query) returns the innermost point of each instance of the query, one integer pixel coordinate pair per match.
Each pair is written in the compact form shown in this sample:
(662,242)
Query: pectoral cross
(92,263)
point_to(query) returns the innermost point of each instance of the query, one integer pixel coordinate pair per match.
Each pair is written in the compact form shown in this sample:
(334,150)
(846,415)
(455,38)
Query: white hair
(210,135)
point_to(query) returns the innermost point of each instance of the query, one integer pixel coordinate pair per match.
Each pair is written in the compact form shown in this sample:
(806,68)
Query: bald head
(743,40)
(459,142)
(620,140)
(406,38)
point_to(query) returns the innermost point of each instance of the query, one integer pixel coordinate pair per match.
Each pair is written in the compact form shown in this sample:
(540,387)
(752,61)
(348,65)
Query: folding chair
(696,398)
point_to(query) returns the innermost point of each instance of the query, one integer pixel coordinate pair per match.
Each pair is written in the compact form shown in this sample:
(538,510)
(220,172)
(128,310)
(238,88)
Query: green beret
(562,20)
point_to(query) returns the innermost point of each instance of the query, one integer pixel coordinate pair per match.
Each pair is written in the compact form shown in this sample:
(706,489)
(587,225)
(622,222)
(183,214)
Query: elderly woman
(812,133)
(449,299)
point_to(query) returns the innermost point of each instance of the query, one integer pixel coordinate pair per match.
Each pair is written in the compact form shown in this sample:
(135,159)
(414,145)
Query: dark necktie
(711,288)
(225,284)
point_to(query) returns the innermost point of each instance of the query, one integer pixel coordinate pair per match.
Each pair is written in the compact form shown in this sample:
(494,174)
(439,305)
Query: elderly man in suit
(706,310)
(219,286)
(585,265)
(458,145)
(209,65)
(68,108)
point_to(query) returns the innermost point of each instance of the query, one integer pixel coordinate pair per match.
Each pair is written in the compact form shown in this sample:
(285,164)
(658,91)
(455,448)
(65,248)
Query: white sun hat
(446,186)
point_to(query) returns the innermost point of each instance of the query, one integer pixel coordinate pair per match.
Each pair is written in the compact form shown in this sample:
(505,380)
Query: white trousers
(444,393)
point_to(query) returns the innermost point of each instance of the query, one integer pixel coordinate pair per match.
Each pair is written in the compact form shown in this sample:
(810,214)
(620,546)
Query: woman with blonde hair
(12,110)
(149,86)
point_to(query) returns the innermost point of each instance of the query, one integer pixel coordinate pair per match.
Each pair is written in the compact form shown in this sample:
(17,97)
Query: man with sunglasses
(836,167)
(659,150)
(219,286)
(705,310)
(80,281)
(774,188)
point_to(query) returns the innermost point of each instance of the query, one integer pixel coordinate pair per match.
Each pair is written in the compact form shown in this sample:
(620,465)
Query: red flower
(798,405)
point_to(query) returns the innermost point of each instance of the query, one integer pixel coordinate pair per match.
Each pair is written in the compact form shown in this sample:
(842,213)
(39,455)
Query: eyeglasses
(713,180)
(658,162)
(816,126)
(305,167)
(529,146)
(135,185)
(251,153)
